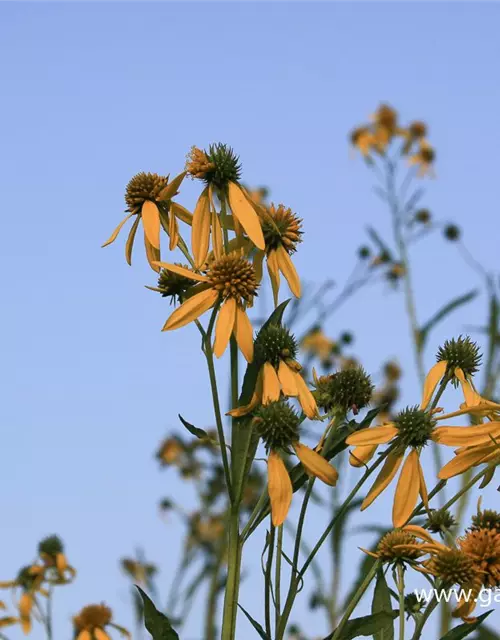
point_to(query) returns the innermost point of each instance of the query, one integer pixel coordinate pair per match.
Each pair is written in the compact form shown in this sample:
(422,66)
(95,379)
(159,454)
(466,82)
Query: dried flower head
(486,519)
(173,285)
(483,547)
(282,228)
(217,166)
(397,546)
(92,621)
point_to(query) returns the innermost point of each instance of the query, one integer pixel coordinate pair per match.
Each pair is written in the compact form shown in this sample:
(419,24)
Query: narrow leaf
(465,629)
(195,431)
(156,622)
(445,311)
(255,624)
(366,625)
(382,602)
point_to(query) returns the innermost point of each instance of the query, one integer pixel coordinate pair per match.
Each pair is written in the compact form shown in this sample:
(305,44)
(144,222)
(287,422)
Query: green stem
(425,616)
(277,579)
(267,579)
(213,592)
(401,592)
(233,578)
(245,534)
(355,600)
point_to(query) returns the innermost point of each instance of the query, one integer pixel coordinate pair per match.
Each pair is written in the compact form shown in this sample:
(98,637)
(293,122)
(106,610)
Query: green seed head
(414,426)
(350,389)
(278,425)
(173,285)
(440,521)
(52,545)
(226,165)
(413,604)
(453,566)
(275,343)
(487,519)
(460,353)
(452,232)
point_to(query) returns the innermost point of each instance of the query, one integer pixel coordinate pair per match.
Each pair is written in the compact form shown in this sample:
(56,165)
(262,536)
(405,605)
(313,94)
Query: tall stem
(267,580)
(401,592)
(277,579)
(233,577)
(213,592)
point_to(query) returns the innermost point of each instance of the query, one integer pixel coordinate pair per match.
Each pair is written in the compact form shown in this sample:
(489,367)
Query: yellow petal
(316,465)
(168,192)
(25,625)
(217,242)
(181,212)
(407,490)
(432,380)
(258,259)
(384,478)
(224,326)
(115,233)
(151,222)
(8,621)
(7,584)
(422,486)
(152,254)
(84,635)
(61,562)
(173,231)
(200,234)
(25,605)
(244,212)
(279,487)
(274,274)
(463,461)
(466,436)
(287,379)
(100,634)
(256,400)
(373,435)
(191,309)
(243,333)
(306,398)
(419,532)
(182,271)
(362,454)
(288,270)
(271,384)
(130,241)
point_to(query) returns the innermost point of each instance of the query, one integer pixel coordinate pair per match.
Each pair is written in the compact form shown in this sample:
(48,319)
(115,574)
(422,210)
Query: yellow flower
(412,429)
(398,546)
(149,198)
(363,140)
(282,233)
(51,552)
(92,621)
(279,372)
(230,282)
(483,546)
(6,621)
(385,124)
(278,426)
(424,158)
(139,571)
(416,131)
(29,580)
(170,451)
(316,343)
(220,169)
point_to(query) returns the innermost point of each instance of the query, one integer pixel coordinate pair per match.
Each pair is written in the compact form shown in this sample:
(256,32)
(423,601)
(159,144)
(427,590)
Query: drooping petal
(61,562)
(466,436)
(407,490)
(306,398)
(130,241)
(200,233)
(287,268)
(115,233)
(384,478)
(471,397)
(8,621)
(419,532)
(191,309)
(150,215)
(463,461)
(315,464)
(373,435)
(84,635)
(362,454)
(122,630)
(287,378)
(25,625)
(224,326)
(432,380)
(256,400)
(181,212)
(173,231)
(258,260)
(244,212)
(100,634)
(182,271)
(279,487)
(243,333)
(217,242)
(271,384)
(25,605)
(274,274)
(152,254)
(422,486)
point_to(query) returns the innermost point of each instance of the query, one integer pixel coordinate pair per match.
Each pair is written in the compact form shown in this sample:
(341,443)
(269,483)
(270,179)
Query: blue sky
(92,94)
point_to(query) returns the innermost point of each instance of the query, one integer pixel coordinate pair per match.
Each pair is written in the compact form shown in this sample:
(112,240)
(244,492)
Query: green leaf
(485,633)
(465,629)
(195,431)
(255,624)
(366,625)
(382,602)
(443,312)
(156,622)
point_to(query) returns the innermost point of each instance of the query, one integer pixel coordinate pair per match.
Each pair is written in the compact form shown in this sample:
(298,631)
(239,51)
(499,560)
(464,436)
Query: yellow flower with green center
(282,234)
(220,169)
(92,621)
(51,552)
(415,132)
(29,580)
(229,282)
(278,426)
(385,121)
(411,430)
(279,373)
(363,139)
(149,198)
(424,159)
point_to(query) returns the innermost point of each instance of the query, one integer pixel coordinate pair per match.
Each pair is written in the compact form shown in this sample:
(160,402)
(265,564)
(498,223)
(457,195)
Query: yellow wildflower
(424,159)
(29,580)
(92,622)
(51,551)
(230,282)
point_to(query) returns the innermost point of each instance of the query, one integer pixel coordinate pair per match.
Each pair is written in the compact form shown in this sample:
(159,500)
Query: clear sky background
(92,94)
